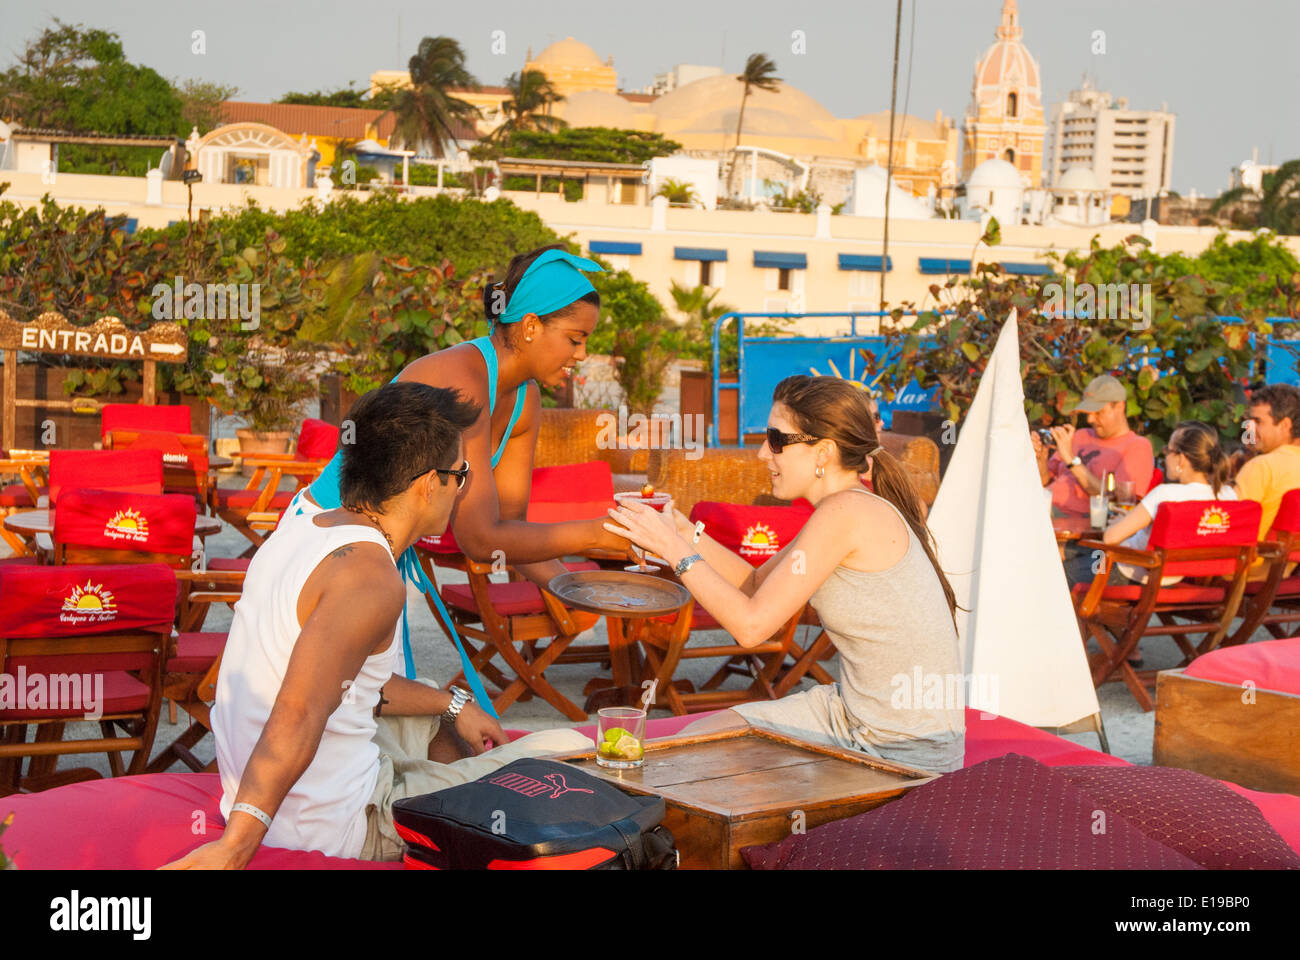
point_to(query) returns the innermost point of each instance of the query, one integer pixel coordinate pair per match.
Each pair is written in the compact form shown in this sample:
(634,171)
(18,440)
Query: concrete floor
(1129,729)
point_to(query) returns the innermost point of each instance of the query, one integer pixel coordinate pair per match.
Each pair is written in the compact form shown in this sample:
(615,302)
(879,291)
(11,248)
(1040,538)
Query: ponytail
(891,481)
(1199,443)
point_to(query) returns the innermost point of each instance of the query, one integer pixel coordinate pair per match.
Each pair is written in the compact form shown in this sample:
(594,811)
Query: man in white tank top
(316,736)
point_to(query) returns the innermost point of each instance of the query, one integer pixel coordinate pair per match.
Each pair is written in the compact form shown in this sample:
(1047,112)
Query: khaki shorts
(406,771)
(819,716)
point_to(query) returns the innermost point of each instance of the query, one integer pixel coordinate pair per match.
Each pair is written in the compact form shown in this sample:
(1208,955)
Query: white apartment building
(680,76)
(1130,151)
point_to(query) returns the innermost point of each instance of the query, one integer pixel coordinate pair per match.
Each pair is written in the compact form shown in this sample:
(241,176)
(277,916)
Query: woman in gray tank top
(864,560)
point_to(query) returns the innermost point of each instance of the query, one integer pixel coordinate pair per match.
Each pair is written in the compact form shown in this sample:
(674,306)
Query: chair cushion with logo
(126,521)
(755,533)
(77,600)
(131,471)
(1204,523)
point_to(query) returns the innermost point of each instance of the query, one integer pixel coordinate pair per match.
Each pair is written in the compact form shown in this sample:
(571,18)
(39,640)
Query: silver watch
(459,697)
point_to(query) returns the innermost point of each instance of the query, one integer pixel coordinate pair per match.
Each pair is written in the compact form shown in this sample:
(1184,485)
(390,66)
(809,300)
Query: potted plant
(269,394)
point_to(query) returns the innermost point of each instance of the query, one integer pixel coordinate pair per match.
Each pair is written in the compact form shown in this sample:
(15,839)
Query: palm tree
(426,110)
(677,191)
(1279,204)
(529,106)
(759,73)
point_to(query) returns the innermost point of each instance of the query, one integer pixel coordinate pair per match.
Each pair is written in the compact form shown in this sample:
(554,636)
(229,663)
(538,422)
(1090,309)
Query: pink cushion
(16,495)
(560,512)
(988,736)
(1269,665)
(509,599)
(1006,813)
(582,482)
(1179,594)
(122,693)
(134,823)
(195,652)
(229,563)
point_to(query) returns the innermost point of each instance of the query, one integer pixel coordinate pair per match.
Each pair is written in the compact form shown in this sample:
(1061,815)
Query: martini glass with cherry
(659,501)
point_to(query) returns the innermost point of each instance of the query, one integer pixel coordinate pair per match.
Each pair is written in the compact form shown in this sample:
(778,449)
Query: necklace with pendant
(375,520)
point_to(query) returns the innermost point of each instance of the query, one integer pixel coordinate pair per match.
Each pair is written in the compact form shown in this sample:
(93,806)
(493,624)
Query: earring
(821,472)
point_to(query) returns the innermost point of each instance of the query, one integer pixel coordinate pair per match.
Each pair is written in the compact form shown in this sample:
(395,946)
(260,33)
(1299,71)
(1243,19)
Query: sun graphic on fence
(1213,520)
(128,521)
(90,597)
(861,384)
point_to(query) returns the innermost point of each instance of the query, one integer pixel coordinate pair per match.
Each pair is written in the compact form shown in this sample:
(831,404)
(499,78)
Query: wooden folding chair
(1275,600)
(103,627)
(1199,538)
(755,533)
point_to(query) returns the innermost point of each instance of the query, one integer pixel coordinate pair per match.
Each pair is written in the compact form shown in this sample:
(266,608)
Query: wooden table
(739,788)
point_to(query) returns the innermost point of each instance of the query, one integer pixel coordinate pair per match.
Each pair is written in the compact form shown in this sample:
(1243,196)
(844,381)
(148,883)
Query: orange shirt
(1266,478)
(1128,456)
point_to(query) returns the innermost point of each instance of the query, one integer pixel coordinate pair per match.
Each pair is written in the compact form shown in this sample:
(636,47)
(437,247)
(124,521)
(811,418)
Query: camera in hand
(1045,435)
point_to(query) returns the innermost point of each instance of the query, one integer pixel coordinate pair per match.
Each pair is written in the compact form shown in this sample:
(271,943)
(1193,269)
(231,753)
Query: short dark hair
(1282,400)
(515,272)
(399,432)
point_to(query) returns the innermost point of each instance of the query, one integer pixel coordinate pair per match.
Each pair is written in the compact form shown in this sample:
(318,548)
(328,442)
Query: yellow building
(573,67)
(1005,117)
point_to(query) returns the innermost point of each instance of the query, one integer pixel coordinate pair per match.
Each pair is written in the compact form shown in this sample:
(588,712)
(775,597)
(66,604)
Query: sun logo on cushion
(93,602)
(128,524)
(1213,520)
(759,540)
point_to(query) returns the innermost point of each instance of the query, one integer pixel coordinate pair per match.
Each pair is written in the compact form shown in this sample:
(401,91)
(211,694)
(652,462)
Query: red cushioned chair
(1198,538)
(107,626)
(501,615)
(94,526)
(255,510)
(185,458)
(144,416)
(1275,600)
(757,534)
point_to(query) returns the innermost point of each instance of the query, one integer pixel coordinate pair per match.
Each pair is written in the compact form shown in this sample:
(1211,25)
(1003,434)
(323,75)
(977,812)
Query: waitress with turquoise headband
(543,313)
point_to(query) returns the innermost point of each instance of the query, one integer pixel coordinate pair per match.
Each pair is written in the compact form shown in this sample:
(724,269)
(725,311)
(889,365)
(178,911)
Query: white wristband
(699,531)
(252,811)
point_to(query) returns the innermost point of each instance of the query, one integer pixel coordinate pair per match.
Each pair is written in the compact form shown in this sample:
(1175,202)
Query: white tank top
(325,809)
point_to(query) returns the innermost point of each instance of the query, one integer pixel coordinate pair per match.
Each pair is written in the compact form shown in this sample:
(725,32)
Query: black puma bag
(534,814)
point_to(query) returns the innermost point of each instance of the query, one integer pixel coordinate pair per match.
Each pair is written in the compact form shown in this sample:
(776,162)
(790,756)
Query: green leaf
(971,351)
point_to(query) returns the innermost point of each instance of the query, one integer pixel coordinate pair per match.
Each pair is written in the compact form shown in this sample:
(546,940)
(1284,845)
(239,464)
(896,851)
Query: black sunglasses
(444,474)
(778,441)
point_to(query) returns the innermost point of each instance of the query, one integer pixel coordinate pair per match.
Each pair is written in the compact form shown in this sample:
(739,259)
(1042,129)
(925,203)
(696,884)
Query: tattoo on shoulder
(343,551)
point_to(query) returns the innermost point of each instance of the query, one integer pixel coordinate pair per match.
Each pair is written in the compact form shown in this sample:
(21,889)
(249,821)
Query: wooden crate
(738,788)
(1208,726)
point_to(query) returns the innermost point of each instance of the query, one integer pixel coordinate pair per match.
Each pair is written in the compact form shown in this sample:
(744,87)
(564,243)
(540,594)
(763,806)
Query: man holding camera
(1077,467)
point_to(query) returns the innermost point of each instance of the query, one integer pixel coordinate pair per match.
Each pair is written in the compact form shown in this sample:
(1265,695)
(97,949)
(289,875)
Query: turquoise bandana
(552,281)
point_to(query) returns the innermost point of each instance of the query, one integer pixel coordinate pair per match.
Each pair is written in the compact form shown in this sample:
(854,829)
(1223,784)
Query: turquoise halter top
(325,491)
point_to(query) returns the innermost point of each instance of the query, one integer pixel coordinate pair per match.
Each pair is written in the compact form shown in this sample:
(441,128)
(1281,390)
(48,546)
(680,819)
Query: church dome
(995,173)
(1079,178)
(712,104)
(568,53)
(1008,64)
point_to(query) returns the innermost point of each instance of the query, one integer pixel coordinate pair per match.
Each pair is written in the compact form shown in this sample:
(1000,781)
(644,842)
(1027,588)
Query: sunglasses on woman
(778,441)
(445,474)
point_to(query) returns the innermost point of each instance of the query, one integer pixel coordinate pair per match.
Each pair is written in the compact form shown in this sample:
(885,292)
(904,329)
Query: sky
(1227,70)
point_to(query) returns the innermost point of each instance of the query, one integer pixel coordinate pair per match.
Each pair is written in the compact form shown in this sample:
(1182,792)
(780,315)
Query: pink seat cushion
(122,693)
(1040,820)
(16,495)
(195,652)
(1269,665)
(1179,594)
(1285,588)
(134,823)
(988,736)
(229,563)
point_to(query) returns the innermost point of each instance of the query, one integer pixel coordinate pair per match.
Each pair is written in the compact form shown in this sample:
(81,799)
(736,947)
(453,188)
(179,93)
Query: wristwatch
(1076,462)
(685,563)
(459,697)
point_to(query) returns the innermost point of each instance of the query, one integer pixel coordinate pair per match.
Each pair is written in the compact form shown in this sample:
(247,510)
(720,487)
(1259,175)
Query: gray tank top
(900,668)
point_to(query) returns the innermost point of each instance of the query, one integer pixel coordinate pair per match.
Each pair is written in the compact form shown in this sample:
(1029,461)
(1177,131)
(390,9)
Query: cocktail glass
(660,502)
(620,737)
